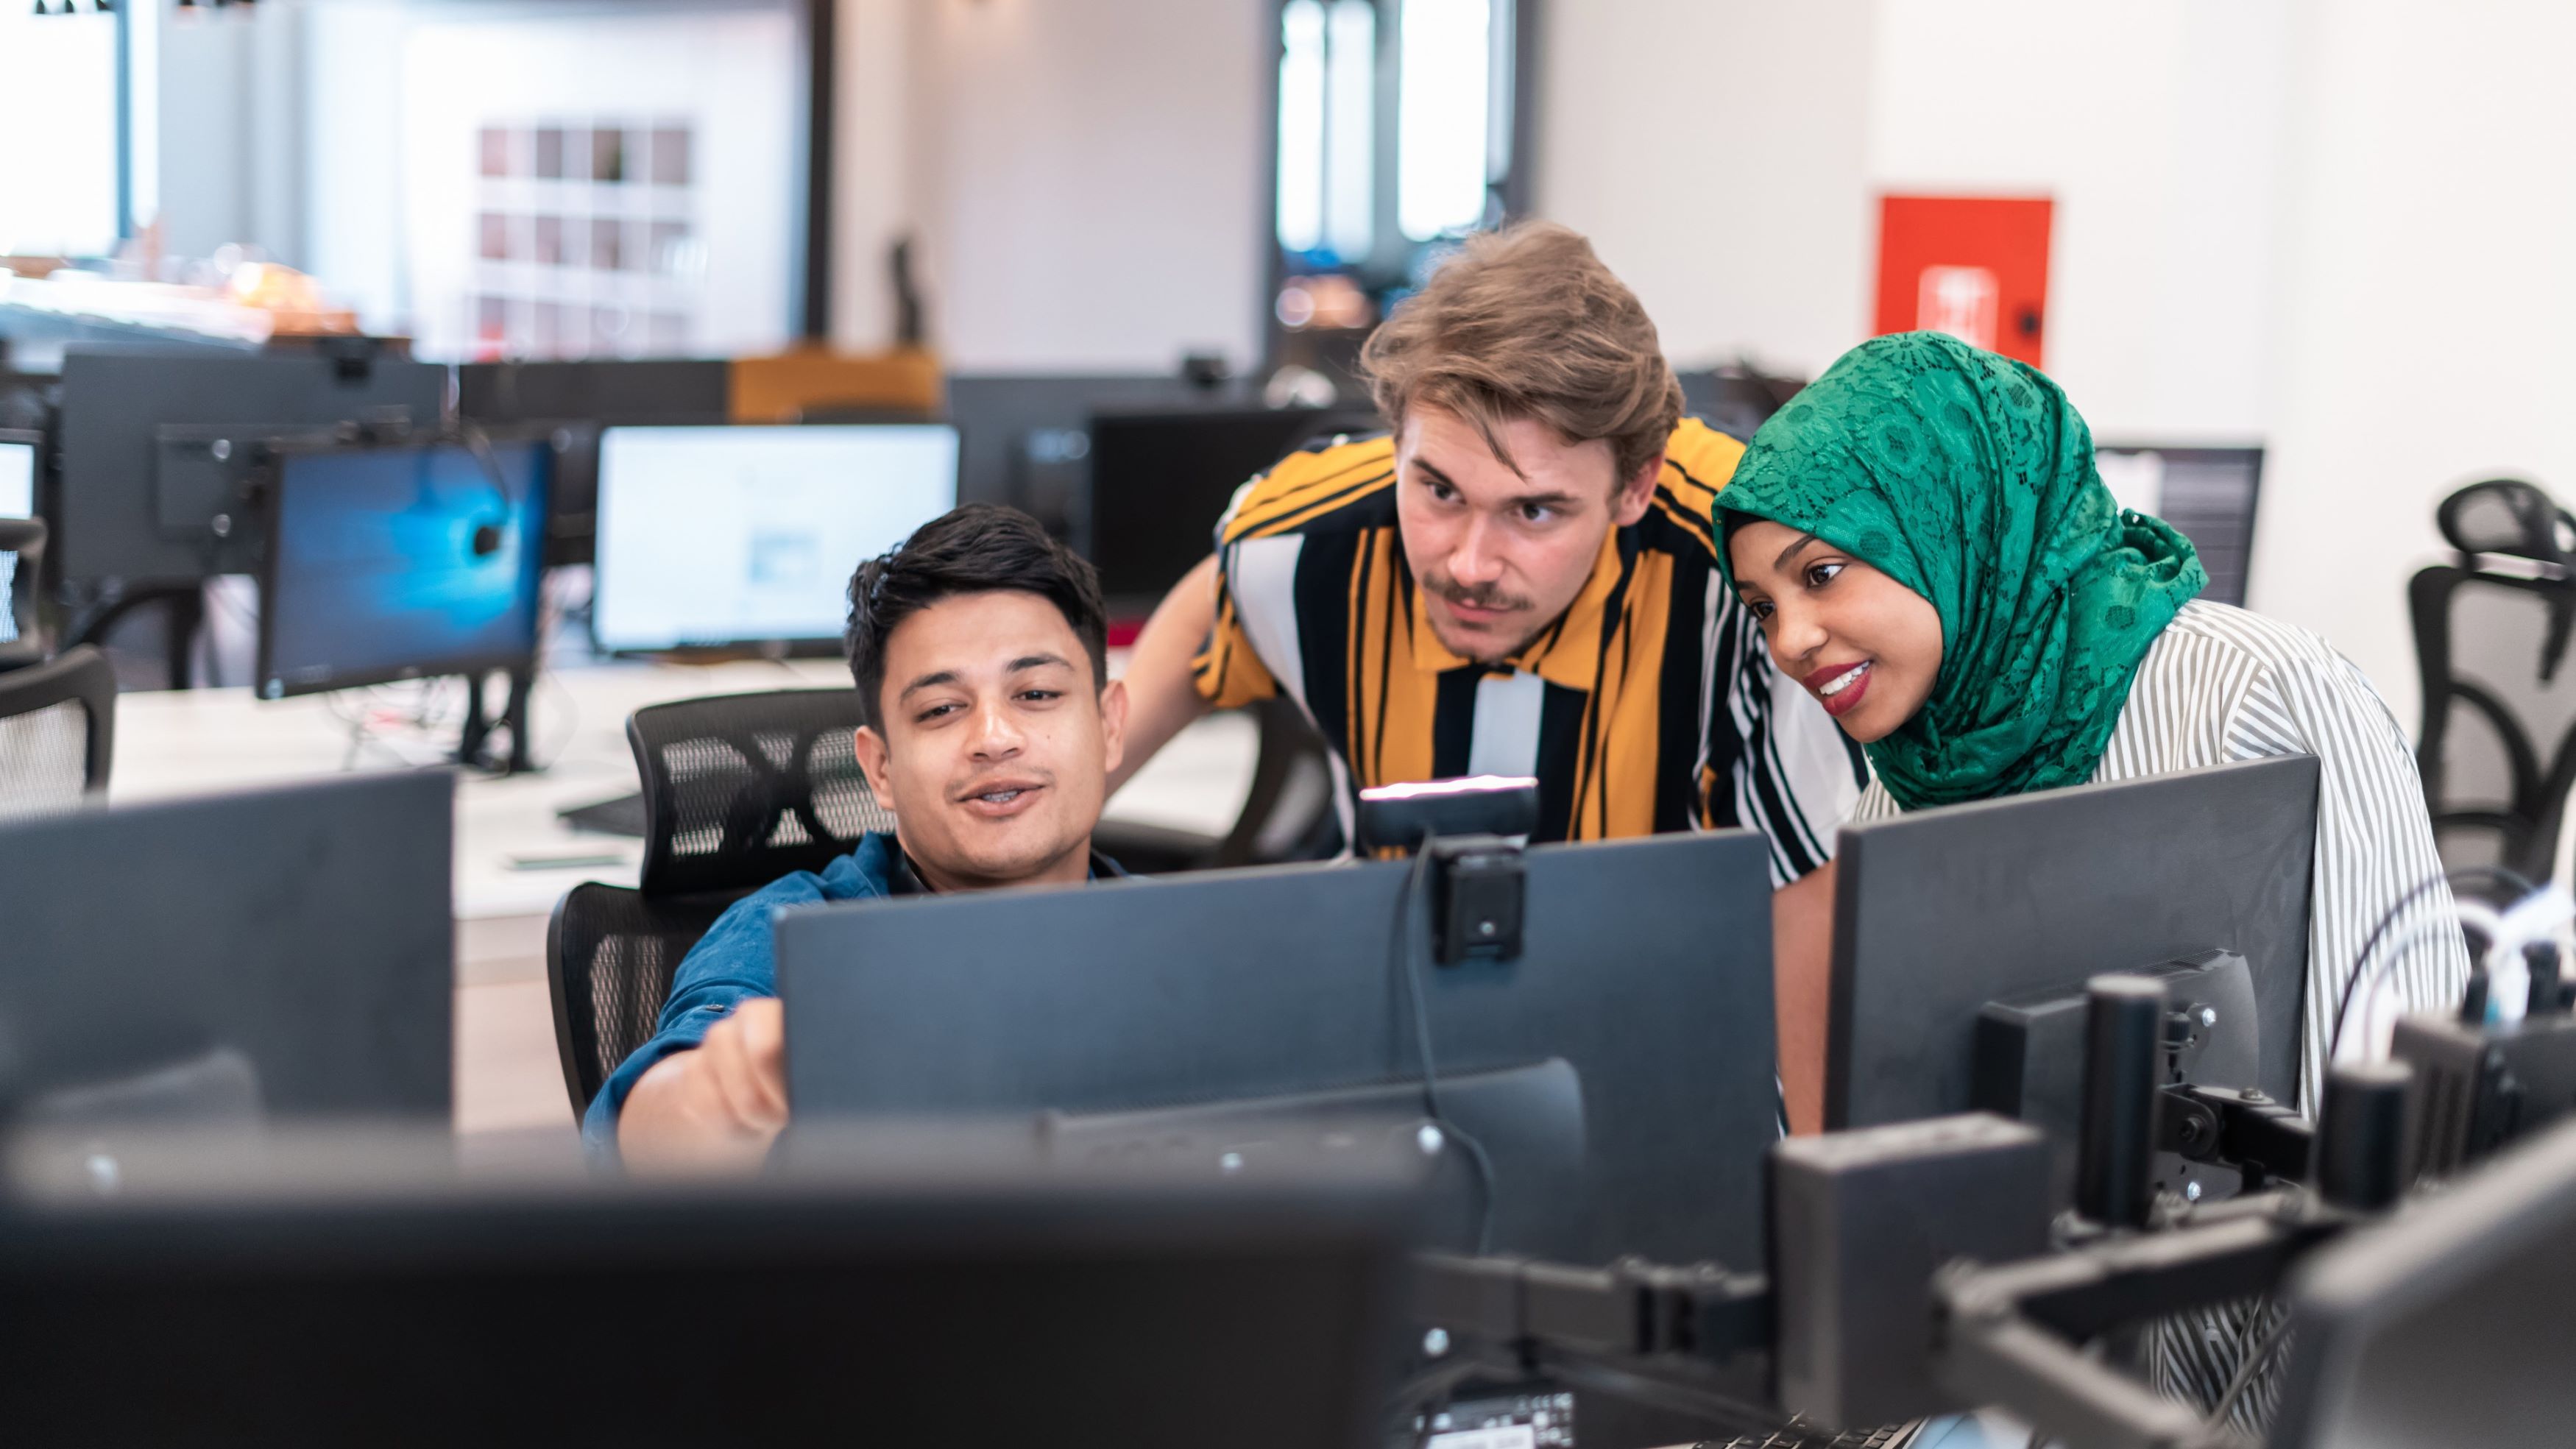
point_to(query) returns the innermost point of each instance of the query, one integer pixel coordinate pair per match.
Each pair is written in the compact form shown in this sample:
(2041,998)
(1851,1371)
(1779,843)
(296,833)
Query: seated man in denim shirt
(980,650)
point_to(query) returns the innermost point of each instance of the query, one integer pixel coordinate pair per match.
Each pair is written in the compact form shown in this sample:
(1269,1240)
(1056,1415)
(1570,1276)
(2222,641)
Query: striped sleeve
(2374,837)
(1774,760)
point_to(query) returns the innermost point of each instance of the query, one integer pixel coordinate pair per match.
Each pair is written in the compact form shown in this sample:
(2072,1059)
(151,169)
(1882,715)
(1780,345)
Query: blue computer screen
(391,563)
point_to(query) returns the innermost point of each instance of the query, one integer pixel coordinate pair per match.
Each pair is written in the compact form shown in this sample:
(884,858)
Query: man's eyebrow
(1037,661)
(1791,551)
(1554,498)
(932,680)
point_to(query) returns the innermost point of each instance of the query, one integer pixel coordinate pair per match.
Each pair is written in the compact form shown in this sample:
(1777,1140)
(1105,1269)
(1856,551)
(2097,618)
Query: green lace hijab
(1969,478)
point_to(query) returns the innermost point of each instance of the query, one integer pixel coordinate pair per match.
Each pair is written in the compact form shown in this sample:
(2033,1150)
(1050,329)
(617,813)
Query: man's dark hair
(970,550)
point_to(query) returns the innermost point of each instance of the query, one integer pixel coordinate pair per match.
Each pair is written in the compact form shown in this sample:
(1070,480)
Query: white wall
(2425,316)
(1716,154)
(2157,130)
(1089,179)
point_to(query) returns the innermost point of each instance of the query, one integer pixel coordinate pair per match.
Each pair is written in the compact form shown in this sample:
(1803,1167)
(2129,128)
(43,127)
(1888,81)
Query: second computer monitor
(2019,901)
(1616,1075)
(402,563)
(748,535)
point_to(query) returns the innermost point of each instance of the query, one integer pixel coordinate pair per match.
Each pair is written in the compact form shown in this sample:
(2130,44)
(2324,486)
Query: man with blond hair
(1521,579)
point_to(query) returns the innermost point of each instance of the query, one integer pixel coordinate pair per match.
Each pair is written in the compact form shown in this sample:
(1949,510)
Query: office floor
(513,858)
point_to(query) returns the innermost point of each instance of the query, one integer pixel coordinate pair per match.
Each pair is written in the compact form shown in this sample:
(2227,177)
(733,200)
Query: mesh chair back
(738,790)
(57,733)
(742,789)
(2498,746)
(610,955)
(2507,516)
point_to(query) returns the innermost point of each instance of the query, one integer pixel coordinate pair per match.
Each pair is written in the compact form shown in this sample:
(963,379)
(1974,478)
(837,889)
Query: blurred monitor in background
(2207,494)
(160,450)
(575,400)
(1737,398)
(402,563)
(18,455)
(1025,438)
(1160,480)
(719,537)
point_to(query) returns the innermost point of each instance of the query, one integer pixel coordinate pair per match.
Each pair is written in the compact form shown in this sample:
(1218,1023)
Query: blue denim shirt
(737,961)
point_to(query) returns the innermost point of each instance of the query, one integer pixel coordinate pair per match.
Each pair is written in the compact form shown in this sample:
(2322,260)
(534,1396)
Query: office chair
(57,733)
(1287,815)
(2491,642)
(739,790)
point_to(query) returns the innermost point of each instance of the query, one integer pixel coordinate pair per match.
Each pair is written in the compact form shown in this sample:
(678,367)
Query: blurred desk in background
(514,858)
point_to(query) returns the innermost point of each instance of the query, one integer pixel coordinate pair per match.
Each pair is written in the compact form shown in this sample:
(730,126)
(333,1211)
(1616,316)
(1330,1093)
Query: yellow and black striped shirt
(1651,705)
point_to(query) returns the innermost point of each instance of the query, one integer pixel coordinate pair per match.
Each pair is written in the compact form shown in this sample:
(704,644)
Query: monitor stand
(474,748)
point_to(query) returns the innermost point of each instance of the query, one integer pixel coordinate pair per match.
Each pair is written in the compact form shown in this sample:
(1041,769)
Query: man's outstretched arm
(1162,696)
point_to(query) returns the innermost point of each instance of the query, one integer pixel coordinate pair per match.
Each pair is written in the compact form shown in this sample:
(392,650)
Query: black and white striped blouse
(2219,685)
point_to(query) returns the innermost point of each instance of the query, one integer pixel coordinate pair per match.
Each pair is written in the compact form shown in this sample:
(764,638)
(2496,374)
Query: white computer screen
(731,535)
(17,480)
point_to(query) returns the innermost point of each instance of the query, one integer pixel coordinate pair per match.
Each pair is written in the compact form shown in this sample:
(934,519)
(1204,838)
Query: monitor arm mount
(1914,1269)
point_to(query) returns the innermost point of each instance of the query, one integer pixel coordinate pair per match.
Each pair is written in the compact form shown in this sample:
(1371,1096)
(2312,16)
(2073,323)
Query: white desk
(195,741)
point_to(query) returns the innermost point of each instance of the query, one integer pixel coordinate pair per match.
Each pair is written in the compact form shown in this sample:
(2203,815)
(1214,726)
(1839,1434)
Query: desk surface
(194,741)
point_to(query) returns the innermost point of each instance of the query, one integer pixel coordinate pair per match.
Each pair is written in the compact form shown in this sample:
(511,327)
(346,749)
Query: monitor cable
(491,532)
(2366,970)
(1408,963)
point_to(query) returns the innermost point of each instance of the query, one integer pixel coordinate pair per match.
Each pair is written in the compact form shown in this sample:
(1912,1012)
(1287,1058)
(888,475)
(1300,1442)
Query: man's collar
(904,879)
(1566,652)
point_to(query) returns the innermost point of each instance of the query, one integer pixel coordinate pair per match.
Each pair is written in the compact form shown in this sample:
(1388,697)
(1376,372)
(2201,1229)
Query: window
(58,101)
(1395,129)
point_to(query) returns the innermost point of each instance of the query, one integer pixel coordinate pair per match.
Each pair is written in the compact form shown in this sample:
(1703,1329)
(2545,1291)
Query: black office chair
(57,733)
(2491,639)
(738,790)
(1287,815)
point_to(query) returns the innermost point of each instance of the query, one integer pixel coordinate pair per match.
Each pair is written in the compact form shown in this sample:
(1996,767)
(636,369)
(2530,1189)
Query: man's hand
(1162,698)
(716,1108)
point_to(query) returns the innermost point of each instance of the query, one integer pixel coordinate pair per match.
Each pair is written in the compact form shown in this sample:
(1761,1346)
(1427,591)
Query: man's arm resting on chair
(1162,695)
(718,1106)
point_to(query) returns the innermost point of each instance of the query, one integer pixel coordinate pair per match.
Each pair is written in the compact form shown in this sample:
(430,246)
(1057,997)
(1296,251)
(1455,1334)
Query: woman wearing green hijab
(1927,546)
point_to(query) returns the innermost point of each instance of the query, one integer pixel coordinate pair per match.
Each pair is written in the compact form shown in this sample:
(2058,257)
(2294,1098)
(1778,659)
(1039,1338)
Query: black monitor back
(576,400)
(1939,912)
(295,944)
(1161,480)
(135,505)
(2209,495)
(1024,439)
(2448,1324)
(956,1309)
(1646,970)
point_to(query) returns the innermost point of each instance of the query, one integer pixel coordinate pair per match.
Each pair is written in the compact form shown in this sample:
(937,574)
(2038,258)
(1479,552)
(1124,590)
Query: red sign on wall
(1974,267)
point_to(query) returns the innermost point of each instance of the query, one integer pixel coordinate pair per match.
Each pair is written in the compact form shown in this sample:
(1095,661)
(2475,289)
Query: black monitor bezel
(268,687)
(817,646)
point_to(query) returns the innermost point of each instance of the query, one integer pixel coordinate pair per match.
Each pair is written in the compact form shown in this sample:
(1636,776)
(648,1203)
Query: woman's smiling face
(1865,645)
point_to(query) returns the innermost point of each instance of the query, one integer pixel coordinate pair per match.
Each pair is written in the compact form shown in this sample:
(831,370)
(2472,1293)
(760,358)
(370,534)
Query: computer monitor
(2448,1323)
(162,452)
(369,1298)
(1953,923)
(729,536)
(2207,494)
(1161,480)
(1617,1074)
(287,951)
(402,563)
(18,455)
(573,401)
(1025,438)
